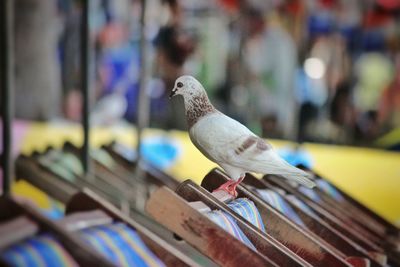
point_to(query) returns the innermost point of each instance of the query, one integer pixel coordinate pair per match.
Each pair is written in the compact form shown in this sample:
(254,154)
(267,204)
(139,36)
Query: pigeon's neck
(197,106)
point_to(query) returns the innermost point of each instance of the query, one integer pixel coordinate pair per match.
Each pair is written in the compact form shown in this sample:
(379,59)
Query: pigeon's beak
(172,93)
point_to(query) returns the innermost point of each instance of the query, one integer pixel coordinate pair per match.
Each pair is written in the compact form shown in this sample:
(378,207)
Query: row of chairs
(272,222)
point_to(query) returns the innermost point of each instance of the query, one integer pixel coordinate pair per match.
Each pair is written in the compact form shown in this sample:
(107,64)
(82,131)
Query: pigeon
(229,143)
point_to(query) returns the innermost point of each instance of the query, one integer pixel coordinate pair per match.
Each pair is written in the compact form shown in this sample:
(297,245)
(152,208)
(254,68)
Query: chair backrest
(161,241)
(294,237)
(177,215)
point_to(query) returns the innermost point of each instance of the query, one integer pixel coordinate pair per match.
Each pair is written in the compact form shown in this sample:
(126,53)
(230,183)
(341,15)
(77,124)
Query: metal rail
(6,86)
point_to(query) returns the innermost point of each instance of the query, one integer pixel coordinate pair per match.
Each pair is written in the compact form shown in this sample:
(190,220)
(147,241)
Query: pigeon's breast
(211,129)
(214,134)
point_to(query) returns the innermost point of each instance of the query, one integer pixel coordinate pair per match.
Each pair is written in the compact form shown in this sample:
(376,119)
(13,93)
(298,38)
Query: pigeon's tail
(291,173)
(301,179)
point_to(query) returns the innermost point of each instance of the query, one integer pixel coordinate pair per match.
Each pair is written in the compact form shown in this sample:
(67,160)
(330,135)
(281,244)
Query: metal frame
(7,86)
(85,84)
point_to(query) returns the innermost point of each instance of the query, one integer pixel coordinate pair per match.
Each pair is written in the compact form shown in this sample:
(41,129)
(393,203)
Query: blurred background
(306,70)
(303,73)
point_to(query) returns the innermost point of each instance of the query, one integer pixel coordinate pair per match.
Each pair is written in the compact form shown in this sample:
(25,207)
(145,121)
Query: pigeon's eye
(179,85)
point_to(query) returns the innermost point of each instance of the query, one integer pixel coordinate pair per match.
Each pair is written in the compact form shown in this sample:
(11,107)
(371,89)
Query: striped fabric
(121,245)
(39,251)
(330,190)
(126,152)
(279,203)
(72,163)
(246,208)
(310,193)
(103,157)
(226,222)
(303,206)
(57,169)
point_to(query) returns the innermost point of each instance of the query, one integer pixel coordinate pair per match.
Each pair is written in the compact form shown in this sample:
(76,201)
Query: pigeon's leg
(235,184)
(230,187)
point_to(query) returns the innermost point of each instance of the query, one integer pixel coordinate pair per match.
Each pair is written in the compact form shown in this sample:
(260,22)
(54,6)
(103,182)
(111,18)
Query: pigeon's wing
(256,155)
(229,143)
(213,134)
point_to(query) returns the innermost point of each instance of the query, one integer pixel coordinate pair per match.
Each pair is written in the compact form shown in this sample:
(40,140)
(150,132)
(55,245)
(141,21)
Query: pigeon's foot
(230,187)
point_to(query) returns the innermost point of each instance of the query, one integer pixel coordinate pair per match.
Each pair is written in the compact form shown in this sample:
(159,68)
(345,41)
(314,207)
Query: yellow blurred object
(371,176)
(390,139)
(26,191)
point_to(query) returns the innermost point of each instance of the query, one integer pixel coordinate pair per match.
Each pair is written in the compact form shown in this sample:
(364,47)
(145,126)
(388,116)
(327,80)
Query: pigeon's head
(187,86)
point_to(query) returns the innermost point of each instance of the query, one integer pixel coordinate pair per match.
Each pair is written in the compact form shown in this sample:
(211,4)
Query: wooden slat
(391,229)
(264,242)
(171,251)
(102,175)
(153,174)
(343,216)
(27,170)
(172,211)
(15,230)
(83,220)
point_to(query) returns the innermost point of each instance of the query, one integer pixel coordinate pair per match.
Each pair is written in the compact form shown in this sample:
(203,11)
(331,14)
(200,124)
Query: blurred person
(368,128)
(294,15)
(117,71)
(37,72)
(336,125)
(119,67)
(330,49)
(69,45)
(271,58)
(311,96)
(173,48)
(326,67)
(119,64)
(349,15)
(374,71)
(338,66)
(343,114)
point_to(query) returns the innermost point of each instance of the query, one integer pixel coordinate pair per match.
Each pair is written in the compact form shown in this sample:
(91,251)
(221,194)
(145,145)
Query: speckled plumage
(200,106)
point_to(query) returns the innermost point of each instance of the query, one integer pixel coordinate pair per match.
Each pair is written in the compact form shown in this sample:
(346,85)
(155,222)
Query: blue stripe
(37,251)
(28,258)
(14,258)
(303,206)
(226,222)
(46,254)
(115,233)
(280,204)
(330,190)
(247,210)
(136,238)
(310,193)
(92,238)
(129,254)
